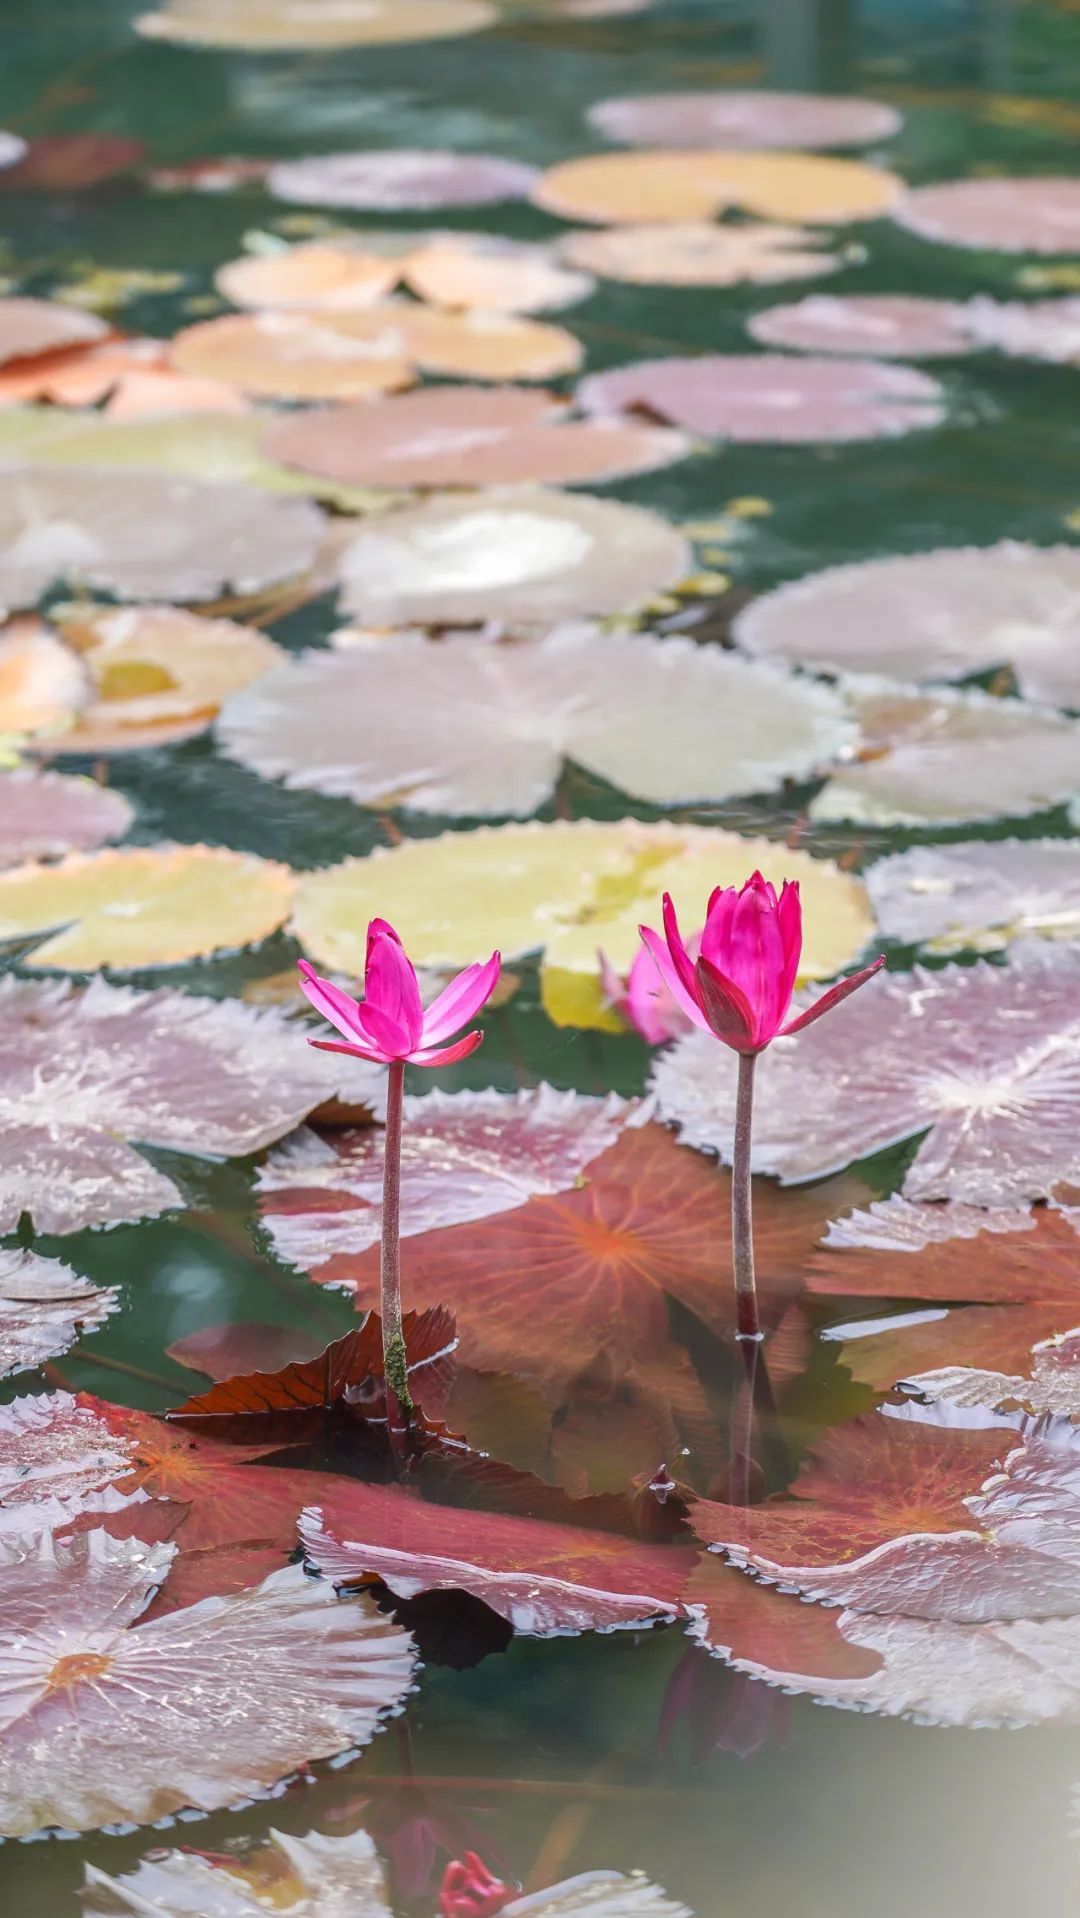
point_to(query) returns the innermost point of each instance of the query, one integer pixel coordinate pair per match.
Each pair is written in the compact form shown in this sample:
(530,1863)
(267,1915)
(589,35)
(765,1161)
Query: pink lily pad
(44,1306)
(739,119)
(1028,329)
(984,1059)
(1040,215)
(58,1461)
(978,897)
(82,1073)
(399,179)
(882,326)
(771,398)
(44,815)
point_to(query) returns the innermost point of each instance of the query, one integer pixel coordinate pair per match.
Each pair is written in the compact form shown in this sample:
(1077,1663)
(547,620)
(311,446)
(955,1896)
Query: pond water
(623,1750)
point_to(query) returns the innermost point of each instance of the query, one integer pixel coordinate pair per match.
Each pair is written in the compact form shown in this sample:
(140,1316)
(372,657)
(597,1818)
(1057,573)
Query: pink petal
(390,986)
(355,1052)
(665,967)
(832,998)
(755,957)
(730,1015)
(789,916)
(446,1055)
(460,1000)
(680,958)
(342,1012)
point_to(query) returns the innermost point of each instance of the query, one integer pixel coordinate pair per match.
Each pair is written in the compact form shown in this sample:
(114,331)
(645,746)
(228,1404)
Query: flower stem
(395,1363)
(747,1324)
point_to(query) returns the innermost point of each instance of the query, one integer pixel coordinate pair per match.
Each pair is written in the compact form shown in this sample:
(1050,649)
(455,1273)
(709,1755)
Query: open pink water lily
(643,999)
(740,985)
(389,1024)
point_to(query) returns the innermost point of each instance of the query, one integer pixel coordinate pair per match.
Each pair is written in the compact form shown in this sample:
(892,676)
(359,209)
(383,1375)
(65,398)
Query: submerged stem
(395,1363)
(747,1324)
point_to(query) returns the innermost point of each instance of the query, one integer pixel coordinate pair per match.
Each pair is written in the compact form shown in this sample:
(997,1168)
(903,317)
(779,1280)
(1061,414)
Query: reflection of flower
(389,1024)
(470,1890)
(412,1834)
(644,1000)
(723,1710)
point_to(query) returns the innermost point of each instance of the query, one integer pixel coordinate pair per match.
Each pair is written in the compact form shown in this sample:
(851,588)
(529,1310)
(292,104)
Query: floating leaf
(494,274)
(689,253)
(771,398)
(331,1877)
(978,897)
(896,1225)
(527,554)
(565,890)
(1032,215)
(1028,329)
(467,436)
(58,1461)
(327,23)
(504,718)
(1052,1390)
(739,119)
(941,758)
(670,185)
(83,1072)
(218,1701)
(143,906)
(336,274)
(545,1579)
(69,162)
(129,378)
(43,815)
(401,179)
(29,328)
(938,615)
(41,682)
(984,1059)
(465,1155)
(144,535)
(44,1306)
(882,325)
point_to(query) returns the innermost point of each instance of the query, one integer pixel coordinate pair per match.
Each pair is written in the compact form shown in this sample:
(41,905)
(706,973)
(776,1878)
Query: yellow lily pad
(670,184)
(143,906)
(248,24)
(563,890)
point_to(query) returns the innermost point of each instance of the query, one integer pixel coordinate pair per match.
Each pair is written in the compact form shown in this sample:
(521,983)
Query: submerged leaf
(740,119)
(1032,215)
(44,815)
(978,897)
(390,182)
(44,1306)
(696,253)
(498,722)
(666,184)
(771,398)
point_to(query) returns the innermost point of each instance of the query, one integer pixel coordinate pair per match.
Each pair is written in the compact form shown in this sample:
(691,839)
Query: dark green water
(551,1749)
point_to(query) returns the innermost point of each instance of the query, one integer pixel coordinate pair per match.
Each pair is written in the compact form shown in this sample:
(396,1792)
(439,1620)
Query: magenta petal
(680,958)
(789,917)
(832,998)
(446,1055)
(335,1005)
(755,958)
(354,1052)
(460,1000)
(665,967)
(390,985)
(728,1011)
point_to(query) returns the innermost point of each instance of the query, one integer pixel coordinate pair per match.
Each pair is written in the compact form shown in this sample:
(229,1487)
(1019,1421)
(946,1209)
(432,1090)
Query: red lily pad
(771,398)
(44,1306)
(296,1676)
(393,181)
(83,1073)
(883,326)
(241,1345)
(72,162)
(1034,215)
(738,119)
(543,1578)
(985,1060)
(44,815)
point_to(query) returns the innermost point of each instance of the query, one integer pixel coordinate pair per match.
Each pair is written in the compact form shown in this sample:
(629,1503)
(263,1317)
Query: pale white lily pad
(943,614)
(389,182)
(83,1072)
(984,1059)
(741,119)
(882,326)
(146,535)
(1028,329)
(44,815)
(896,1224)
(772,398)
(497,722)
(528,554)
(696,253)
(30,327)
(979,897)
(1032,215)
(111,1721)
(44,1306)
(58,1461)
(465,1155)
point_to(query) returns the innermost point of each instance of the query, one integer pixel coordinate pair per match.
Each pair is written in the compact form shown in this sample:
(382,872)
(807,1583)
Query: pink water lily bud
(470,1890)
(643,1000)
(389,1024)
(739,987)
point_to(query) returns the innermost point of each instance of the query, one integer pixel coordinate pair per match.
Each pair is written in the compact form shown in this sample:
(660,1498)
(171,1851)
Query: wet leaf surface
(44,1307)
(976,897)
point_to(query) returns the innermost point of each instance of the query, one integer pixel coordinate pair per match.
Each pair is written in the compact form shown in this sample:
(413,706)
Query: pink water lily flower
(643,999)
(741,984)
(389,1024)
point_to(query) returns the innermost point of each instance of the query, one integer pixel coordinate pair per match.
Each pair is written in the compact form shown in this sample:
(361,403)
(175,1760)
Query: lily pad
(146,535)
(1028,329)
(84,1072)
(771,398)
(41,682)
(400,179)
(944,614)
(695,253)
(978,897)
(666,184)
(563,890)
(29,328)
(519,554)
(44,815)
(737,119)
(288,1673)
(272,24)
(332,275)
(503,719)
(339,1877)
(58,1462)
(985,1060)
(494,274)
(1051,1391)
(44,1306)
(129,379)
(882,326)
(143,906)
(1032,215)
